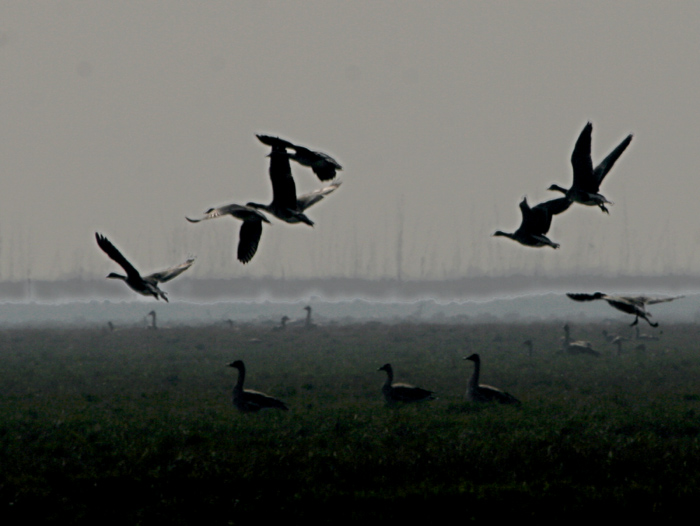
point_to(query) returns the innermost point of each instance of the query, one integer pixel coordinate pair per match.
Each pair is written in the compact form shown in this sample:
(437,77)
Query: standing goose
(323,165)
(283,324)
(618,341)
(308,324)
(536,222)
(249,401)
(635,305)
(148,285)
(394,393)
(477,392)
(251,229)
(587,180)
(153,325)
(578,346)
(644,336)
(285,204)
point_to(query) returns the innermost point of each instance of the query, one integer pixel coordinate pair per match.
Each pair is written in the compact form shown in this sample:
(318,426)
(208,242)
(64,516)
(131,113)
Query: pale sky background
(123,117)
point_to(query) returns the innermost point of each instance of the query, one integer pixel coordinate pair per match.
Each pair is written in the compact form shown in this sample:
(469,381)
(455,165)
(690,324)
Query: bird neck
(241,378)
(557,188)
(504,234)
(389,377)
(474,380)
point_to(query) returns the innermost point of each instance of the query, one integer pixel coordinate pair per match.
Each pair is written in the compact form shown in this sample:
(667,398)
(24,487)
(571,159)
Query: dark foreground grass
(136,427)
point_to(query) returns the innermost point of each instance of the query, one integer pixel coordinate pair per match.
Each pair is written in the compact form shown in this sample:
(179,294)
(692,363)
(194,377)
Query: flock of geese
(286,206)
(395,394)
(585,190)
(291,208)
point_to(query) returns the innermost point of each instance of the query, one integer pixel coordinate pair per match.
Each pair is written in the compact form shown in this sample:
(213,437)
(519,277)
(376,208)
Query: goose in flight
(587,180)
(477,392)
(251,229)
(635,305)
(285,204)
(323,165)
(249,401)
(147,285)
(536,222)
(394,393)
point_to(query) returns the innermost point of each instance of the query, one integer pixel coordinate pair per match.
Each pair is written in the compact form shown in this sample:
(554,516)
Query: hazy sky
(123,117)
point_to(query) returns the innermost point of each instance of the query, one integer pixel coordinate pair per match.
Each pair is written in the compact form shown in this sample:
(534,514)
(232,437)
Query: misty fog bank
(254,289)
(521,309)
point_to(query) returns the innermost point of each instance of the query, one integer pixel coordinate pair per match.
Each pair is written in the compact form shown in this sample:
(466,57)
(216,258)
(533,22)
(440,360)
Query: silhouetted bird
(536,222)
(148,285)
(323,165)
(578,346)
(477,392)
(394,393)
(285,204)
(251,229)
(249,401)
(634,305)
(587,180)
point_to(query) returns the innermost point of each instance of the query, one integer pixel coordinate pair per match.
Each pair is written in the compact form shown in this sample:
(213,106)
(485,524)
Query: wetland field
(136,426)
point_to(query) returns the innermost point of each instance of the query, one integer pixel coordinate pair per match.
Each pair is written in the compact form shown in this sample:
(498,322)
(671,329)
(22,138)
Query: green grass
(137,427)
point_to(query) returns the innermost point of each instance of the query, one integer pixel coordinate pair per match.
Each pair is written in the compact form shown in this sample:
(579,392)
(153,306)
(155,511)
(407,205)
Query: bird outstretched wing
(167,275)
(112,251)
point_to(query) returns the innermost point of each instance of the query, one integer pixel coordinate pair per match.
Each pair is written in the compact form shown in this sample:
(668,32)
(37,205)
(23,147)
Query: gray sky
(123,117)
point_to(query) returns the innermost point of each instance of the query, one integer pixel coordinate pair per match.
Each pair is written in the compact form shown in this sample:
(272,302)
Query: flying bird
(249,401)
(635,305)
(285,204)
(536,222)
(148,285)
(477,392)
(394,393)
(323,165)
(587,180)
(251,229)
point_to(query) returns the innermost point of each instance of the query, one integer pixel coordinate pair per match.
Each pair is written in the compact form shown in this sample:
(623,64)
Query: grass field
(137,427)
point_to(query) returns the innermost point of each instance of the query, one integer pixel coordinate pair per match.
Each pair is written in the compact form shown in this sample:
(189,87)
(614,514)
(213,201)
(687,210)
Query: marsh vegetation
(137,426)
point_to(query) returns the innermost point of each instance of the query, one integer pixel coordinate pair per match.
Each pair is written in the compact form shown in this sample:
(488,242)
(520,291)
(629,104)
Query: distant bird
(609,337)
(285,204)
(148,285)
(323,165)
(153,324)
(586,179)
(283,324)
(578,346)
(477,392)
(536,222)
(644,336)
(634,305)
(406,393)
(308,324)
(251,229)
(249,401)
(618,341)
